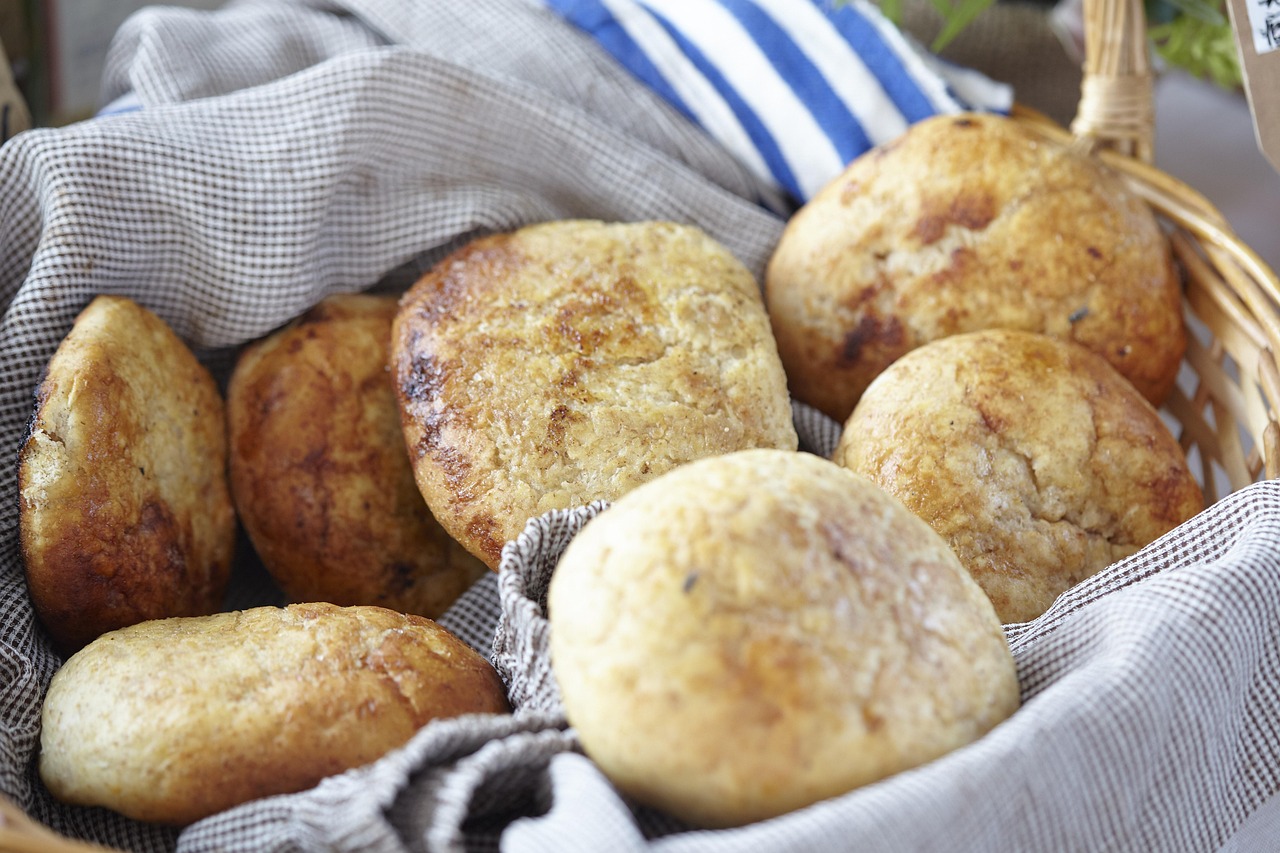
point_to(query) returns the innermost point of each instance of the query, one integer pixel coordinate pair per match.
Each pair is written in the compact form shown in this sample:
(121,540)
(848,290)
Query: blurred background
(56,49)
(1204,134)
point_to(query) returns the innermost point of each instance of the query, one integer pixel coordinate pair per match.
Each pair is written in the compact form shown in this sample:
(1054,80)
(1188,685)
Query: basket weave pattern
(1226,404)
(1229,393)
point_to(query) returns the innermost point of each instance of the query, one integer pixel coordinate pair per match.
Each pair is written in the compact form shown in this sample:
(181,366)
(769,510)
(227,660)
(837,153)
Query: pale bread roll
(1034,460)
(965,223)
(173,720)
(319,471)
(752,633)
(572,361)
(125,513)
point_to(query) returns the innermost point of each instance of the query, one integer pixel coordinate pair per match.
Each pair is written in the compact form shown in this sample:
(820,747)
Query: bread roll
(755,632)
(319,471)
(1030,456)
(173,720)
(965,223)
(125,513)
(571,361)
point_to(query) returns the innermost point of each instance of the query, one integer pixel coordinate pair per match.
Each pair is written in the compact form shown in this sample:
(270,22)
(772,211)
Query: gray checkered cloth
(287,151)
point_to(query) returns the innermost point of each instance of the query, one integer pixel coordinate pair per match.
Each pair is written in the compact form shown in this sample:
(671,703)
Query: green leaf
(1209,11)
(1194,35)
(942,7)
(1203,49)
(959,17)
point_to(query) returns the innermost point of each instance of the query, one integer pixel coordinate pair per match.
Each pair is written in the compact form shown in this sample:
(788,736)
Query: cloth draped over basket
(256,159)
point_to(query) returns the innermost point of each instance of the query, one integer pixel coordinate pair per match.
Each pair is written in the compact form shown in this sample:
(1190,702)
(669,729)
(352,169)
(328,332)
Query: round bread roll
(1030,456)
(965,223)
(755,632)
(125,513)
(571,361)
(319,471)
(173,720)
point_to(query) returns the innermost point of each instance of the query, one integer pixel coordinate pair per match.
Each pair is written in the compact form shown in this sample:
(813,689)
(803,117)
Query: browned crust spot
(973,211)
(870,331)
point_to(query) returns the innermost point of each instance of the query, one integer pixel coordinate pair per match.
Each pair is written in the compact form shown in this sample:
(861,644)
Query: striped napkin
(795,89)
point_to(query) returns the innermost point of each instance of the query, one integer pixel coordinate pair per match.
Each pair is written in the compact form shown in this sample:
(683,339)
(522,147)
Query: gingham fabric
(262,157)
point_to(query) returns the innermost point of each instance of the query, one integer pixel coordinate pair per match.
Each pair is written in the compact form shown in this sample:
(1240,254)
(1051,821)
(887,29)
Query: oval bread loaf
(125,511)
(319,471)
(572,361)
(176,719)
(964,223)
(1032,457)
(752,633)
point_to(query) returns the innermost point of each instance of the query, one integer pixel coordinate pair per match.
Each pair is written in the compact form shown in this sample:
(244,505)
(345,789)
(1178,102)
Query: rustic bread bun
(1030,456)
(752,633)
(965,223)
(571,361)
(173,720)
(125,513)
(319,471)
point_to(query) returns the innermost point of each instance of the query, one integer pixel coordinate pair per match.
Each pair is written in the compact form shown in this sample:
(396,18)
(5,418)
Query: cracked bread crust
(319,471)
(964,223)
(125,513)
(1032,457)
(173,720)
(752,633)
(571,361)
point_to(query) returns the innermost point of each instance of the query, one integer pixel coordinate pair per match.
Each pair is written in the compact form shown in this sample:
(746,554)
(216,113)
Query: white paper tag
(1257,29)
(1264,22)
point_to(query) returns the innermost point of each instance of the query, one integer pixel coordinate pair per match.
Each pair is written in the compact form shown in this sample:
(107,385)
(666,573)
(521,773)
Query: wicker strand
(1232,291)
(20,834)
(1116,103)
(1271,441)
(1118,110)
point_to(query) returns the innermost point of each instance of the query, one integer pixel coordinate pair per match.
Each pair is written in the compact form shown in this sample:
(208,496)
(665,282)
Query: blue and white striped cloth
(795,89)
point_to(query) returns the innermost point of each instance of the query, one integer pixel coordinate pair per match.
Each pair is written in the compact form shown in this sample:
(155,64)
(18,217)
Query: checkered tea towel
(1148,723)
(263,156)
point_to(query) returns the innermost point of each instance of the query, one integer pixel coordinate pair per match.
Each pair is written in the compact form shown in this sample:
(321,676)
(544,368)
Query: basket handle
(1116,109)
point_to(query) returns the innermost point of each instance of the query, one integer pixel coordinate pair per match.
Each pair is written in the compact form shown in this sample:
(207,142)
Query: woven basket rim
(1225,268)
(1116,123)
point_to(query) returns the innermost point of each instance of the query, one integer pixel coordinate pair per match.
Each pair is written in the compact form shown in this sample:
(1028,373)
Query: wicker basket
(1225,408)
(1226,405)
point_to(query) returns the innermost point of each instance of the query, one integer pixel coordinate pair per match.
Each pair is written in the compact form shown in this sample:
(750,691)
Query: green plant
(1194,35)
(956,16)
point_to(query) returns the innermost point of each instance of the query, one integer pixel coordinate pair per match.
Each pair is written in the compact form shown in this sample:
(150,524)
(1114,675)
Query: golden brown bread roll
(173,720)
(1030,456)
(752,633)
(319,471)
(965,223)
(571,361)
(125,511)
